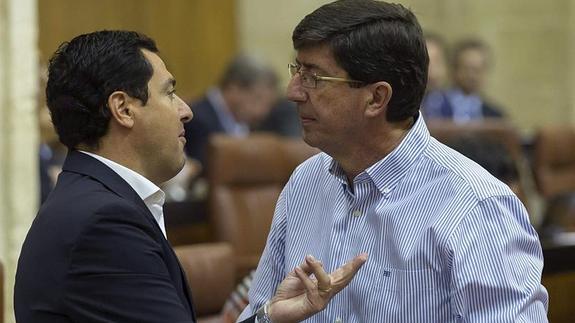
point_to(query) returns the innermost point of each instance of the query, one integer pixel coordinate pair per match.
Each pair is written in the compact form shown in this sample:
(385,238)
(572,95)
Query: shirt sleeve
(496,263)
(270,271)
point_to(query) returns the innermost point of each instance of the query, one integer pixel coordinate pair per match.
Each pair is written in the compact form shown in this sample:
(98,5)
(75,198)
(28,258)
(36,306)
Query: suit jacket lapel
(84,164)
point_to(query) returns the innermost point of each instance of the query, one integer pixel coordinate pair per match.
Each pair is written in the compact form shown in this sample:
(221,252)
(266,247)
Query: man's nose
(186,113)
(295,92)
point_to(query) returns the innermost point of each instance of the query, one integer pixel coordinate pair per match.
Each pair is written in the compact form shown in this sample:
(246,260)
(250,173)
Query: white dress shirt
(149,192)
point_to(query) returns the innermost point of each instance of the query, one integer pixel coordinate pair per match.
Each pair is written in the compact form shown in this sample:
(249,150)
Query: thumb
(342,276)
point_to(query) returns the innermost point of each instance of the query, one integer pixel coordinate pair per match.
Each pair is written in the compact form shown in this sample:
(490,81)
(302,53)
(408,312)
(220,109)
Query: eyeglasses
(309,79)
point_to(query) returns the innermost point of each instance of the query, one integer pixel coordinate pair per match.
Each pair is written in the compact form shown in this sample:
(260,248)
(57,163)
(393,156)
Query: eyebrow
(170,83)
(309,66)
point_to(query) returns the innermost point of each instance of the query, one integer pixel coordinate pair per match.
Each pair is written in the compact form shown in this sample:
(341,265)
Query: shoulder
(78,200)
(435,104)
(202,106)
(463,173)
(491,110)
(204,114)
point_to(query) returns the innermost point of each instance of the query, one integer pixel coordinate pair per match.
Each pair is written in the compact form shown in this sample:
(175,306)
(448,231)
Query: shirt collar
(146,190)
(387,172)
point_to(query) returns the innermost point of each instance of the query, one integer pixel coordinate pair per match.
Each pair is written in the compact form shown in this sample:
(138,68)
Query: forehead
(319,59)
(433,46)
(160,72)
(472,55)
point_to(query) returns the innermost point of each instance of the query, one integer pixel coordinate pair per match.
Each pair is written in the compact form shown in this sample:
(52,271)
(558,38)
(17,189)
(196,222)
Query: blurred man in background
(437,74)
(465,101)
(246,93)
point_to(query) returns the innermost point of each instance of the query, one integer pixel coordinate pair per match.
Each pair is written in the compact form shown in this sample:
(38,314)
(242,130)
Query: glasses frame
(294,68)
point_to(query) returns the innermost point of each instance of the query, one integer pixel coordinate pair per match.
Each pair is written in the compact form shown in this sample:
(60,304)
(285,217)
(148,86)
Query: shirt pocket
(408,281)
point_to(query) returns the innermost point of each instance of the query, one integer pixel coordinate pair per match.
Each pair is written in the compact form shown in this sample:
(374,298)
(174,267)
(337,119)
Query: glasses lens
(307,79)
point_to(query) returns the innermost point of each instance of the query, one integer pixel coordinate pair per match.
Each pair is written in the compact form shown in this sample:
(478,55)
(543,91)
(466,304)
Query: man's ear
(121,105)
(378,99)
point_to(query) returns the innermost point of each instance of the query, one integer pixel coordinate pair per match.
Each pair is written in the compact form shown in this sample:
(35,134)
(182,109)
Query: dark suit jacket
(282,119)
(204,123)
(436,105)
(95,254)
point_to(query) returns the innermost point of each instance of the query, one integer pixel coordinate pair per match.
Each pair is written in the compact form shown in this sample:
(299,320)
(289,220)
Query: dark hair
(469,44)
(245,71)
(373,41)
(85,71)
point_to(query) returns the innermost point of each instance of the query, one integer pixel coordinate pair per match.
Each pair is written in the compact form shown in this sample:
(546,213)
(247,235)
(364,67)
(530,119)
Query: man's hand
(299,297)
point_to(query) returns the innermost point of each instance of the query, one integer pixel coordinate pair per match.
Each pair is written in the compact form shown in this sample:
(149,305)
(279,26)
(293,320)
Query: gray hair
(247,70)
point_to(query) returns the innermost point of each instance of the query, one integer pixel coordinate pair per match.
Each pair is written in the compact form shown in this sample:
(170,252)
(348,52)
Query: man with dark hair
(448,242)
(246,93)
(437,69)
(465,101)
(97,250)
(436,72)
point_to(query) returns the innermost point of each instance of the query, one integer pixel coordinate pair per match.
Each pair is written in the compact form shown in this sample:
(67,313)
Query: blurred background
(527,72)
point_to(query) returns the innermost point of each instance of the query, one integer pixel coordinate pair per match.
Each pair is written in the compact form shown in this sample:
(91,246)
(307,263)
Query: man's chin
(309,139)
(175,170)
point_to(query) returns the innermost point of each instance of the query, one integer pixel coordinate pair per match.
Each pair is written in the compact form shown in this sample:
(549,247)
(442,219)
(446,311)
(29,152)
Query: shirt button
(338,320)
(386,191)
(356,213)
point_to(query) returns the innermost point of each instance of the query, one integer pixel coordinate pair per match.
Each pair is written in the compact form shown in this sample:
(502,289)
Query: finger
(304,277)
(306,268)
(306,265)
(323,279)
(344,274)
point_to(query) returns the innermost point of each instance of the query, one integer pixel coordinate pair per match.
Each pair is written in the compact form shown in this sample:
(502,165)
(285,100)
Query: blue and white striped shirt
(447,242)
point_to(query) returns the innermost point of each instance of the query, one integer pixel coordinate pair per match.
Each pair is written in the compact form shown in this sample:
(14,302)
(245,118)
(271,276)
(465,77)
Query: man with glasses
(448,242)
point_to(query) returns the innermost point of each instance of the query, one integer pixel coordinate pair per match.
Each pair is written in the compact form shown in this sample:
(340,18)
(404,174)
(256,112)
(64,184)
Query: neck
(123,157)
(371,149)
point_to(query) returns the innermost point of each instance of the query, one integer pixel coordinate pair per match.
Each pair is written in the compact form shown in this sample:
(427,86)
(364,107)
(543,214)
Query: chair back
(210,271)
(245,178)
(559,280)
(554,160)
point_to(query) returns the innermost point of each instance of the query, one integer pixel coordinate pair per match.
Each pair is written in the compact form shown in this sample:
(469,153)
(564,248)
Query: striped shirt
(447,242)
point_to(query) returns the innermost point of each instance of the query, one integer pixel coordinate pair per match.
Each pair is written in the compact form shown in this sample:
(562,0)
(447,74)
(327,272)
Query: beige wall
(265,27)
(533,41)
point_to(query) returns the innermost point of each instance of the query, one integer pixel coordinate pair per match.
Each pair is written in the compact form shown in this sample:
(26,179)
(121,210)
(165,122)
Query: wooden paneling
(196,38)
